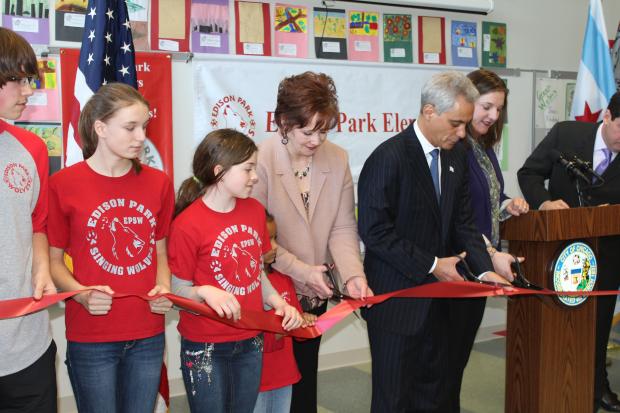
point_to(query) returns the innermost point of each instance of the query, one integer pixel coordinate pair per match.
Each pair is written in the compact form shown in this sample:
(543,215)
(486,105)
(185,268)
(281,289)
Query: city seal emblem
(575,269)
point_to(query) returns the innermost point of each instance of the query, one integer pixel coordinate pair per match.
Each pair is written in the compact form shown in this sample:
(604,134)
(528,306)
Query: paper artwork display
(329,33)
(252,24)
(464,43)
(29,18)
(138,20)
(51,134)
(432,42)
(69,17)
(397,38)
(493,44)
(291,31)
(170,25)
(364,36)
(44,103)
(209,26)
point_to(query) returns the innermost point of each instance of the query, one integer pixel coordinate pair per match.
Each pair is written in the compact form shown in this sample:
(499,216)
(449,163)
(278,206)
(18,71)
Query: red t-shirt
(279,365)
(109,226)
(224,250)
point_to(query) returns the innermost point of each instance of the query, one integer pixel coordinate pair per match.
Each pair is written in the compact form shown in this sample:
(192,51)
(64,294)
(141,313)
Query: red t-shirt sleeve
(182,252)
(39,214)
(167,210)
(58,222)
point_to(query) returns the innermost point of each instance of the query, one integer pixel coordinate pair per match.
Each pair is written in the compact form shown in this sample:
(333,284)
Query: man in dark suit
(598,143)
(414,217)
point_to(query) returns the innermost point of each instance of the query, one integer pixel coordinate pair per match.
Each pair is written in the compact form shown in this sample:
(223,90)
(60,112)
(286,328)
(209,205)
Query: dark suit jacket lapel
(422,171)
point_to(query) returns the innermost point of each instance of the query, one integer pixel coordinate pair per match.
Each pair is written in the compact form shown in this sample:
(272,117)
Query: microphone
(571,167)
(586,168)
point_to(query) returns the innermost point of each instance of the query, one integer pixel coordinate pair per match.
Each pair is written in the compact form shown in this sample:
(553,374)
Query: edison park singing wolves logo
(236,262)
(233,112)
(121,236)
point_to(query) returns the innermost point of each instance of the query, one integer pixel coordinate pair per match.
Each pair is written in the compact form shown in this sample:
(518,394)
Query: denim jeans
(118,376)
(222,377)
(274,401)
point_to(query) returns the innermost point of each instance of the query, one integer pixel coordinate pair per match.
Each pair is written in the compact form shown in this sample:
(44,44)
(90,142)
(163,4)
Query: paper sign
(287,49)
(25,25)
(74,20)
(486,42)
(253,48)
(210,40)
(170,45)
(431,57)
(397,52)
(465,52)
(38,99)
(331,47)
(362,46)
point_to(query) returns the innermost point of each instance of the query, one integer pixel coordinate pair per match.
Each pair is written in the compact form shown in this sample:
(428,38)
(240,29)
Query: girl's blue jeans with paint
(222,377)
(118,376)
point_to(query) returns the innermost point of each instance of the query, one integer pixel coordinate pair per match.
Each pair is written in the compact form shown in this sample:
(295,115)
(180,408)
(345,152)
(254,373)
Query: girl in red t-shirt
(111,215)
(215,248)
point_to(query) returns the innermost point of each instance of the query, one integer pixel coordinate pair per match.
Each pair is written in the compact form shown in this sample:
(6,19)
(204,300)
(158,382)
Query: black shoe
(609,401)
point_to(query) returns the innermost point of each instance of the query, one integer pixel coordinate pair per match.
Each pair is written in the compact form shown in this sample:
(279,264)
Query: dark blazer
(479,190)
(404,228)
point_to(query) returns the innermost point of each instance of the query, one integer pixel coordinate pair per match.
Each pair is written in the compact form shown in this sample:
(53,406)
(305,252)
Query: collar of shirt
(427,147)
(598,156)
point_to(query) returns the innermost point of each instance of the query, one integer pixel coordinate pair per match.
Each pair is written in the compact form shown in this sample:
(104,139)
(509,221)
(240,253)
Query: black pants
(32,389)
(306,352)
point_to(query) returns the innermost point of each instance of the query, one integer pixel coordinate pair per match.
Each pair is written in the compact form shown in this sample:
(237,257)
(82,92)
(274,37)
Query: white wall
(542,34)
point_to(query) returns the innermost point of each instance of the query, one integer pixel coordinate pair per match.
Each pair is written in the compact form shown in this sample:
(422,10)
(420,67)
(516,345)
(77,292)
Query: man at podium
(561,159)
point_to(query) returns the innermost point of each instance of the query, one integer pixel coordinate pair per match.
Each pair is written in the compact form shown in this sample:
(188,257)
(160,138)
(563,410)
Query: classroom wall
(542,34)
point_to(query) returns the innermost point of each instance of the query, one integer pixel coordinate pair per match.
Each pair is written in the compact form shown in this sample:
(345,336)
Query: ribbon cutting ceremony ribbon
(266,321)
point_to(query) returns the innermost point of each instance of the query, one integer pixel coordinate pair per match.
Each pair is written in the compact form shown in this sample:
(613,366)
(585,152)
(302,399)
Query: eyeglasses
(23,81)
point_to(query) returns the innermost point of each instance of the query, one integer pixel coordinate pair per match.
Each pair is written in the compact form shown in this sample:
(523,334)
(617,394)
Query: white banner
(376,101)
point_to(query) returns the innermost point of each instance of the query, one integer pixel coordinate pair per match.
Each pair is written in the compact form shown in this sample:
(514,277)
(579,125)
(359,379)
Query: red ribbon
(265,321)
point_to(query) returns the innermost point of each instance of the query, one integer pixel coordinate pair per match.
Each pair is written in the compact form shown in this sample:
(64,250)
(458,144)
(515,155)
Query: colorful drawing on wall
(329,33)
(138,19)
(51,133)
(28,18)
(291,31)
(252,28)
(364,36)
(209,26)
(69,19)
(493,44)
(397,38)
(431,38)
(44,103)
(570,93)
(464,43)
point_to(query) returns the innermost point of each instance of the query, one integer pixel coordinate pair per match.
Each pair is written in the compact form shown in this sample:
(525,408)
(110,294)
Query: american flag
(107,55)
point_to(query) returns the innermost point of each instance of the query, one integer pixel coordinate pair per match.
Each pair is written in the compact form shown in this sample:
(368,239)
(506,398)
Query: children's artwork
(432,42)
(28,18)
(170,25)
(397,38)
(364,36)
(138,19)
(570,93)
(291,31)
(44,103)
(329,33)
(51,133)
(69,19)
(493,44)
(464,43)
(209,26)
(252,34)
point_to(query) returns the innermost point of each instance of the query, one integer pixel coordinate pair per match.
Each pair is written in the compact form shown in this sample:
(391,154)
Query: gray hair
(443,88)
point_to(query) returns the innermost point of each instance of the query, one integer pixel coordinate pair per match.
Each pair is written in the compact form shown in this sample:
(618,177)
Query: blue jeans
(274,401)
(117,376)
(222,377)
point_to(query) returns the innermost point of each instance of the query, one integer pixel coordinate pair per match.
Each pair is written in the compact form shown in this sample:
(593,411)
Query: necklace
(302,173)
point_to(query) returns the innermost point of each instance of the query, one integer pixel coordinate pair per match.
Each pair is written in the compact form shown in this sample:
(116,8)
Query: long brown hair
(104,104)
(224,147)
(302,96)
(17,59)
(486,82)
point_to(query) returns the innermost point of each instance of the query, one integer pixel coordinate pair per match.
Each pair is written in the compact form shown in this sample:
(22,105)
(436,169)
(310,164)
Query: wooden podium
(550,346)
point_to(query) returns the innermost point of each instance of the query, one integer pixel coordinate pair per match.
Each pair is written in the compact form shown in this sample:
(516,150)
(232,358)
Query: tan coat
(328,232)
